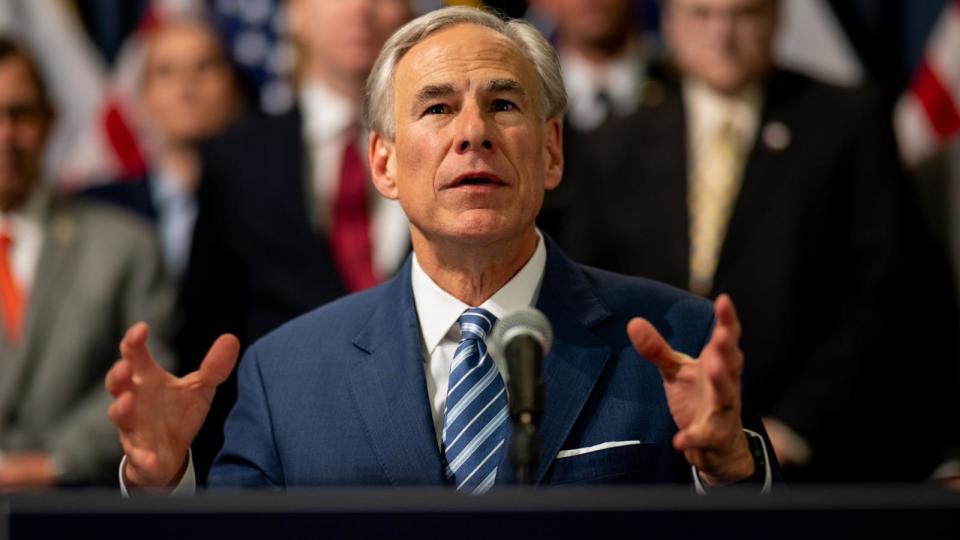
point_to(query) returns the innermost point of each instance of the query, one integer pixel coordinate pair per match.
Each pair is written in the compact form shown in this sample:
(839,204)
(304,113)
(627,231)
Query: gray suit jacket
(100,271)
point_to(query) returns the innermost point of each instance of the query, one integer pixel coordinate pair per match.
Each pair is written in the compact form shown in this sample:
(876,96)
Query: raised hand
(158,414)
(704,395)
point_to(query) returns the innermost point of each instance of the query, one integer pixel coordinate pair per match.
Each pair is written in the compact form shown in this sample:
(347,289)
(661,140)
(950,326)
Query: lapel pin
(776,136)
(64,230)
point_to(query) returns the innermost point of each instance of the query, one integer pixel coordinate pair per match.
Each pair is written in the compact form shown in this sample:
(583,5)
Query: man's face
(24,125)
(471,156)
(727,44)
(345,36)
(188,89)
(602,24)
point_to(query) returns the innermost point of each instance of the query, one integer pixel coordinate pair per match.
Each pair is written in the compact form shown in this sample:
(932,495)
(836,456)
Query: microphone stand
(524,356)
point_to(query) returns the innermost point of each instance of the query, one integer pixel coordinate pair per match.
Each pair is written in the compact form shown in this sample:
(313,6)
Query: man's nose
(473,133)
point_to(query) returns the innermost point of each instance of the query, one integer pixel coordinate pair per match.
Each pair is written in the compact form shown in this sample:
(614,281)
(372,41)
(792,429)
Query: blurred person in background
(787,194)
(605,59)
(603,56)
(72,276)
(287,217)
(189,93)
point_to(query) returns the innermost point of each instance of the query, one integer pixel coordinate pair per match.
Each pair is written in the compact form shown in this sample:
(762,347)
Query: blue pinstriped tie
(475,418)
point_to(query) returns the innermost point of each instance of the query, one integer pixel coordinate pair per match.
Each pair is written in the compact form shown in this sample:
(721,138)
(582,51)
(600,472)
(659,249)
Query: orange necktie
(10,292)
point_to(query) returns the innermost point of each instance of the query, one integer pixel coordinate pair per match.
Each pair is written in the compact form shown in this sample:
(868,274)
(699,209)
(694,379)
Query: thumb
(220,360)
(651,345)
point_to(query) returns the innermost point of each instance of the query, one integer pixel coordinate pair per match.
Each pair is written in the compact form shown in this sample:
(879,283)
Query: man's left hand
(26,469)
(704,396)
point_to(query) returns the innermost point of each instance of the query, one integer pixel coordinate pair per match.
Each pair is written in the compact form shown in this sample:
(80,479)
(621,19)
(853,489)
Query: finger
(220,360)
(119,378)
(651,345)
(724,379)
(133,348)
(121,413)
(726,314)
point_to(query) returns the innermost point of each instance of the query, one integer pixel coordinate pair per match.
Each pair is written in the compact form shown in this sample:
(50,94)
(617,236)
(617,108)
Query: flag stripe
(936,101)
(123,141)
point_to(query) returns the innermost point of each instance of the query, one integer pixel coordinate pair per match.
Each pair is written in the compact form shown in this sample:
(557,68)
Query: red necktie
(10,292)
(350,238)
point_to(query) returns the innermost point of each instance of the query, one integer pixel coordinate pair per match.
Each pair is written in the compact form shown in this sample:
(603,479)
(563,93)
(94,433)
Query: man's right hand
(158,414)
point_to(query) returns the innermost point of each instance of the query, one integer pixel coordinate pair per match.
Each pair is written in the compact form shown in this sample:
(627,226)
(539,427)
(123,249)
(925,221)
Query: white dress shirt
(438,311)
(329,121)
(176,217)
(26,226)
(621,79)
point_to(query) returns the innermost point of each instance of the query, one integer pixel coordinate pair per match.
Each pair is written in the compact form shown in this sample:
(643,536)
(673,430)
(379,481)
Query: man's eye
(437,109)
(500,105)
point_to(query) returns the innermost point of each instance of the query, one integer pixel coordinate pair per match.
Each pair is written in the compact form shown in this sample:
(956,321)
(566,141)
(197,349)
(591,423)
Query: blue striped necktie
(475,419)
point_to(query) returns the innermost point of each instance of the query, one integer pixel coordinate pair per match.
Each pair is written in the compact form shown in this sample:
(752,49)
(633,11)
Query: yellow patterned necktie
(714,186)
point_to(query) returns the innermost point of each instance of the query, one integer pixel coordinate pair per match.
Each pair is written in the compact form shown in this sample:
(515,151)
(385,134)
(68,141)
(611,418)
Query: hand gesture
(704,395)
(158,414)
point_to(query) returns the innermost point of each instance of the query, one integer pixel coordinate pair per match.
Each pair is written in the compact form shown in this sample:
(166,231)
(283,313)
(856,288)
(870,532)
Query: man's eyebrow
(508,86)
(434,91)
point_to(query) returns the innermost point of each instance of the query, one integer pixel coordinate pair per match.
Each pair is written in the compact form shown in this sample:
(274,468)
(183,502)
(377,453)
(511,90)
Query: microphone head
(526,321)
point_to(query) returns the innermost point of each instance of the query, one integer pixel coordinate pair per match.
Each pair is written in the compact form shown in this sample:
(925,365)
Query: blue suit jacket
(339,396)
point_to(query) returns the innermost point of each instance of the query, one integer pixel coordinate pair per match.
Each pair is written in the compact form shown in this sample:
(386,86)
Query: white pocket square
(595,448)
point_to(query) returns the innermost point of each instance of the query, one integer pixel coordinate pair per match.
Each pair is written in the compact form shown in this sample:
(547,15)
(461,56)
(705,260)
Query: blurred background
(91,51)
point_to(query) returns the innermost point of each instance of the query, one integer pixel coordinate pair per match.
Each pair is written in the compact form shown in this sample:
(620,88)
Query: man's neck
(470,272)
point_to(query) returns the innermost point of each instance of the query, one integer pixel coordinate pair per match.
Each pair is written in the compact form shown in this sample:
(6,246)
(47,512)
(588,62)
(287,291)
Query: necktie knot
(476,323)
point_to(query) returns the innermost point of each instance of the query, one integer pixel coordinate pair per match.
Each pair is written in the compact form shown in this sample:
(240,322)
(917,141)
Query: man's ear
(383,168)
(553,140)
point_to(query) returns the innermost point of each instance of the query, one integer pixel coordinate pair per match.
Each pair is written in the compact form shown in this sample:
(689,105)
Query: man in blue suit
(465,113)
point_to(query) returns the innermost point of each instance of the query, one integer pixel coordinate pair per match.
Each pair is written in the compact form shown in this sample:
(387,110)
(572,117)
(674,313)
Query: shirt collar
(620,78)
(438,310)
(709,109)
(32,213)
(165,187)
(326,114)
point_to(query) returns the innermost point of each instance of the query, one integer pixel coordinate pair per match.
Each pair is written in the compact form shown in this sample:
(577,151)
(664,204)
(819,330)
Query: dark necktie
(350,236)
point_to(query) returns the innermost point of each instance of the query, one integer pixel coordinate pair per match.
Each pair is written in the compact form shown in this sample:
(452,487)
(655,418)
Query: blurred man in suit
(286,219)
(189,93)
(603,58)
(786,193)
(72,276)
(392,385)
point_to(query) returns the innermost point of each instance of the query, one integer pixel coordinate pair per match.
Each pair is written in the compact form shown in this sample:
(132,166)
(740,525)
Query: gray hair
(378,97)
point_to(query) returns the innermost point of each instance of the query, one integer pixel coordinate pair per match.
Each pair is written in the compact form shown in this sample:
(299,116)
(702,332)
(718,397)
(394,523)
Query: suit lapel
(575,360)
(52,281)
(390,389)
(762,172)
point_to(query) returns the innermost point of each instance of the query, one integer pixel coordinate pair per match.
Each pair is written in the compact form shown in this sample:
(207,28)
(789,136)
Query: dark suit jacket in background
(258,257)
(338,397)
(822,258)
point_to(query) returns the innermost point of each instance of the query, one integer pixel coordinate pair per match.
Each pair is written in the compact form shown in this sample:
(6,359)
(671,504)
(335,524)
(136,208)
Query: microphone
(523,337)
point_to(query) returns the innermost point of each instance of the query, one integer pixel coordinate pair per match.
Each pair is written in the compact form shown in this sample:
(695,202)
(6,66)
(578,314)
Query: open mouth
(477,179)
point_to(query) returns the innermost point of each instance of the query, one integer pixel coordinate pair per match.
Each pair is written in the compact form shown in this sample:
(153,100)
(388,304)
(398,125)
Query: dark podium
(823,512)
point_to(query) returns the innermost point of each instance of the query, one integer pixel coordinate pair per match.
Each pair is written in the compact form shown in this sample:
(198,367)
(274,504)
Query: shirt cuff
(702,488)
(186,487)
